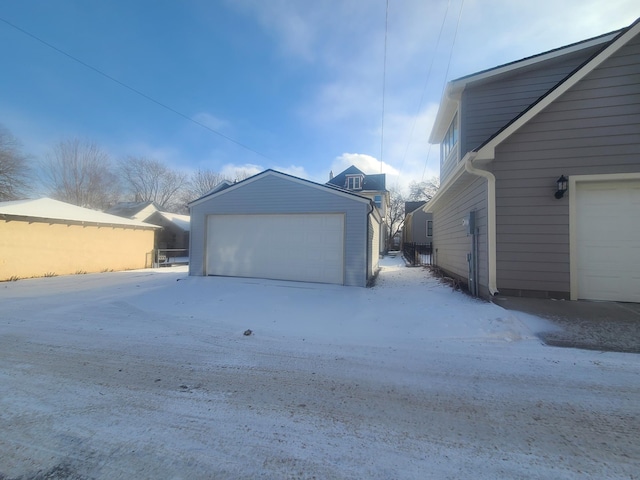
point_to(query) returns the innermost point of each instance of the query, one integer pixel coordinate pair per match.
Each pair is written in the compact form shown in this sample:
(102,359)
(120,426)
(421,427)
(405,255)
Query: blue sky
(297,85)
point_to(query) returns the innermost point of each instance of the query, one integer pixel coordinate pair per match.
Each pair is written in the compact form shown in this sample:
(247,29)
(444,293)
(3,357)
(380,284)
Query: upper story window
(378,201)
(429,228)
(354,182)
(450,140)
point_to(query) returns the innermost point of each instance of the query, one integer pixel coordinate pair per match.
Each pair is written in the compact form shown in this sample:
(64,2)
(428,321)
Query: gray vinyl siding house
(572,112)
(415,227)
(278,226)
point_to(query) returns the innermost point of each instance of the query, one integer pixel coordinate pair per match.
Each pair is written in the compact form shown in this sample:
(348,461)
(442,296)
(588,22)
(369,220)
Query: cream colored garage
(299,247)
(606,242)
(47,237)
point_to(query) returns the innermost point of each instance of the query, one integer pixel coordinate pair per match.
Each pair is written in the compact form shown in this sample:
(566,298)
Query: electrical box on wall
(470,222)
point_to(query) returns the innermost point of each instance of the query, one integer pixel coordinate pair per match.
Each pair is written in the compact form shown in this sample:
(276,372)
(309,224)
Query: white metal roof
(47,208)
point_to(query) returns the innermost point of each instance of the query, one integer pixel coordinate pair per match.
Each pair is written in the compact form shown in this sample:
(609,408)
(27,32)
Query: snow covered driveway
(147,374)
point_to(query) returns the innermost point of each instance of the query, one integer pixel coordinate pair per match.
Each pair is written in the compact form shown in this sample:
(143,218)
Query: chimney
(331,175)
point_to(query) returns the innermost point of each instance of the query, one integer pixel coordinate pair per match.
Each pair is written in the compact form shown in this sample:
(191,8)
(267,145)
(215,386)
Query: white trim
(491,222)
(573,241)
(488,151)
(454,89)
(453,177)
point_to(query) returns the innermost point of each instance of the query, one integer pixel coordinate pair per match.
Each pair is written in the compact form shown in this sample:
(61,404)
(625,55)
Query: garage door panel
(286,247)
(608,240)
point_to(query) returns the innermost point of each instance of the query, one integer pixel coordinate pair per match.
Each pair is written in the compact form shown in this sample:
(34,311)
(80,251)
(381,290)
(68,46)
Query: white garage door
(307,248)
(608,240)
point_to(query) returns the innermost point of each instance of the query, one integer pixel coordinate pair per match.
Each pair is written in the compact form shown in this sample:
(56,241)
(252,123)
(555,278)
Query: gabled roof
(47,209)
(219,187)
(612,43)
(487,149)
(453,92)
(370,182)
(131,209)
(183,222)
(410,207)
(269,172)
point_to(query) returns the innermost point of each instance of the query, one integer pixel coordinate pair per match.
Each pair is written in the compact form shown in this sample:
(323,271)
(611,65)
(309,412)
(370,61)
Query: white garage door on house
(299,247)
(608,240)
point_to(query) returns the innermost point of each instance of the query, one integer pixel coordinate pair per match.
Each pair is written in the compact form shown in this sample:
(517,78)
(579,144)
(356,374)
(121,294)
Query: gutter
(491,217)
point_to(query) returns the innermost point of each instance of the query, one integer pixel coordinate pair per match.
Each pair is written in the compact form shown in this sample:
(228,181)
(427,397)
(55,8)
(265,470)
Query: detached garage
(47,237)
(278,226)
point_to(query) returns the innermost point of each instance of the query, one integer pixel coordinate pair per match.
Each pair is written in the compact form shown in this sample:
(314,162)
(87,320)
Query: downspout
(369,254)
(491,218)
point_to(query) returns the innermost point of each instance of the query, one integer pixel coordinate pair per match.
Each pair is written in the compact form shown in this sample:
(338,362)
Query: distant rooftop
(49,209)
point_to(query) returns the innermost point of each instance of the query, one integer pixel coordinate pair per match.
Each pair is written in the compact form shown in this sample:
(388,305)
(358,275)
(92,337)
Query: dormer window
(354,182)
(450,140)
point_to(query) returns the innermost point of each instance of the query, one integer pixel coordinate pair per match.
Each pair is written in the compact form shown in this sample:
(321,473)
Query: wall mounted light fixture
(562,186)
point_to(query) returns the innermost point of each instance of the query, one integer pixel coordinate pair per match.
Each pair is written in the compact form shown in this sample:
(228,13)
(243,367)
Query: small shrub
(50,274)
(81,272)
(106,270)
(12,278)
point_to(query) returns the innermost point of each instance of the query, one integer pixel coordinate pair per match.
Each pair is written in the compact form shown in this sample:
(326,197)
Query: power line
(453,43)
(384,81)
(132,89)
(424,89)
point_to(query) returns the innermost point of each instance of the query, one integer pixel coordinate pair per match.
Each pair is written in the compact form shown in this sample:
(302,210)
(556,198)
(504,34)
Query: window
(429,228)
(378,201)
(354,182)
(450,140)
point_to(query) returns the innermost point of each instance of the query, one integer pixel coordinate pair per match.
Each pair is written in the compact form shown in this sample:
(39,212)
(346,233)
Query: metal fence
(417,253)
(166,257)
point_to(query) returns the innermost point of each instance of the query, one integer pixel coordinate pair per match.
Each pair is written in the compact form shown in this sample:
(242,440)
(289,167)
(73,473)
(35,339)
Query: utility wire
(132,89)
(424,89)
(446,75)
(384,81)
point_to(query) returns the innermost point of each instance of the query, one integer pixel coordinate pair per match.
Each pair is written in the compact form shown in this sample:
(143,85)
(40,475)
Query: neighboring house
(173,235)
(418,224)
(47,237)
(370,186)
(278,226)
(507,135)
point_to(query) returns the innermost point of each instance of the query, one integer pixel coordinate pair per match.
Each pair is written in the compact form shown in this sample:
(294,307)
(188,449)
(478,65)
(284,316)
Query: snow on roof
(47,208)
(182,221)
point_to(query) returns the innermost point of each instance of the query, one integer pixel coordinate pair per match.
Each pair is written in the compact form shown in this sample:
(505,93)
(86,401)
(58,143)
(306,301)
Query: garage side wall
(37,249)
(374,247)
(451,241)
(272,194)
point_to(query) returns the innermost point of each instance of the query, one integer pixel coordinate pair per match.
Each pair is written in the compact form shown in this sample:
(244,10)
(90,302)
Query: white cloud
(366,163)
(234,171)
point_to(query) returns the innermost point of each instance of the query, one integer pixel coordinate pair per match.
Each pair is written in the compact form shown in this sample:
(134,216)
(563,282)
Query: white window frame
(450,141)
(354,182)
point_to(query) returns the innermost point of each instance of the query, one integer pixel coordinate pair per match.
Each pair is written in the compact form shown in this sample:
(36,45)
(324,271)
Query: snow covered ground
(147,374)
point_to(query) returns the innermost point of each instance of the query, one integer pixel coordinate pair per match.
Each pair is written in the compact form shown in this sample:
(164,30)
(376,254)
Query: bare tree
(14,171)
(242,174)
(395,219)
(152,181)
(203,181)
(423,190)
(80,172)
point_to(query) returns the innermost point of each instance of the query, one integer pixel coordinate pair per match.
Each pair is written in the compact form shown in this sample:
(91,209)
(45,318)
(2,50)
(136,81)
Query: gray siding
(450,163)
(594,128)
(488,107)
(275,194)
(416,228)
(450,240)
